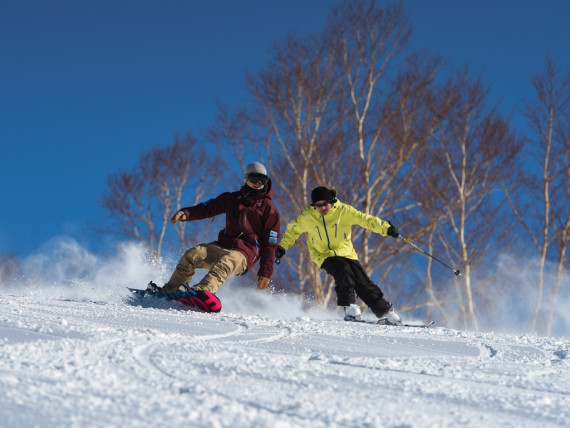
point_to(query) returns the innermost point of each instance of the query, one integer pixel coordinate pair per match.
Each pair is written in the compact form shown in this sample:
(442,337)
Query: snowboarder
(328,224)
(251,233)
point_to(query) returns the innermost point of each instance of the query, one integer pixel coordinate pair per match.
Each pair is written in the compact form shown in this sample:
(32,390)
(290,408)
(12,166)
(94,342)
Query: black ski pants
(350,277)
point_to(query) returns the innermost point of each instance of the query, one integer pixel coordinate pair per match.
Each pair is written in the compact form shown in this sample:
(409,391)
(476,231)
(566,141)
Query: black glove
(392,231)
(279,252)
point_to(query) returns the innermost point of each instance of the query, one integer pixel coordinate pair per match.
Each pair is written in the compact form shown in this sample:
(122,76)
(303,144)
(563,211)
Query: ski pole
(455,271)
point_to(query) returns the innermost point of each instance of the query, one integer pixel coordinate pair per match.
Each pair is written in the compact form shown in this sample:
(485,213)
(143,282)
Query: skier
(251,233)
(328,224)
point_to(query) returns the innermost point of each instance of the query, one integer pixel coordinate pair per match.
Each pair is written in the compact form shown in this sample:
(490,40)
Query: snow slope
(78,350)
(121,362)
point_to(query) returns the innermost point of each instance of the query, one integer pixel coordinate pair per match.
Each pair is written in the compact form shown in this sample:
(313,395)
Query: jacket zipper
(327,235)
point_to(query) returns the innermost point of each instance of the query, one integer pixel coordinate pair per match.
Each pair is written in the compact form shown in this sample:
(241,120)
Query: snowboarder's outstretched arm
(210,208)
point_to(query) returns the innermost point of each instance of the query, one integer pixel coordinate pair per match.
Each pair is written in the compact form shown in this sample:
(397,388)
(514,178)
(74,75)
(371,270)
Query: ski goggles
(322,204)
(258,179)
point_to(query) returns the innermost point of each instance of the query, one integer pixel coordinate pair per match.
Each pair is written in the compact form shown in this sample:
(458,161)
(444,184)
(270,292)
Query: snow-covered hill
(77,350)
(117,362)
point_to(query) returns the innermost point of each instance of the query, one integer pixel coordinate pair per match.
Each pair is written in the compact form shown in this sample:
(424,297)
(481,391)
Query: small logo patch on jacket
(273,237)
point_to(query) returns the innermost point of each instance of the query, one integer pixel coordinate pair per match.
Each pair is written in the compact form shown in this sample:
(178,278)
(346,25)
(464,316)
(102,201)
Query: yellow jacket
(330,235)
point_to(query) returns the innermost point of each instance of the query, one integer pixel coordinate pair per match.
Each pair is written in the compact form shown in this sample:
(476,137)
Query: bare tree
(561,211)
(547,180)
(461,191)
(142,201)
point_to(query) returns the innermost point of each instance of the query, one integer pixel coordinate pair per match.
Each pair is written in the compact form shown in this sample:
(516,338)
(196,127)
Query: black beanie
(321,194)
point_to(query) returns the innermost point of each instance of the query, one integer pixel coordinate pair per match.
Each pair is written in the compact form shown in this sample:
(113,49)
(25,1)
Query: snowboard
(202,301)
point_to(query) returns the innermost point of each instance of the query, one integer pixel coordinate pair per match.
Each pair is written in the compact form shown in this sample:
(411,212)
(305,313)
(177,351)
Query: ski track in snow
(124,362)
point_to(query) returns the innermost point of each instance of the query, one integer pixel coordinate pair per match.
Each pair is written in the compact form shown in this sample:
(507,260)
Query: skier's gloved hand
(279,252)
(262,282)
(392,231)
(179,216)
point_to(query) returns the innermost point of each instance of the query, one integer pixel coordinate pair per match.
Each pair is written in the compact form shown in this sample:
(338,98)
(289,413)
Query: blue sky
(88,85)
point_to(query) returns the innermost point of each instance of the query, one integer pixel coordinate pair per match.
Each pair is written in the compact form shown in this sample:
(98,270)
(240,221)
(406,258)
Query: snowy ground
(118,362)
(77,350)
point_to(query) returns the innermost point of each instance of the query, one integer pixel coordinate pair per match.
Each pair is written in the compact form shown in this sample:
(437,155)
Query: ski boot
(390,317)
(352,313)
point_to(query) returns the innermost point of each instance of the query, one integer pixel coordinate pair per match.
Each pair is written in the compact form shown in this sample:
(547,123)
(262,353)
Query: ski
(383,321)
(202,301)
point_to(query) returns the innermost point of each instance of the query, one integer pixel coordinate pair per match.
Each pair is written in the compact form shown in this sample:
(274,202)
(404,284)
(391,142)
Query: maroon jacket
(252,224)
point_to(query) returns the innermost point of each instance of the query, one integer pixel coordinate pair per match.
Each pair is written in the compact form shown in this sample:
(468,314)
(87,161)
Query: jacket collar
(246,192)
(331,211)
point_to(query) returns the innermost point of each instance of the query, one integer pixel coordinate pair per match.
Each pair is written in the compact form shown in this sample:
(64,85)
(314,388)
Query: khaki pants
(220,262)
